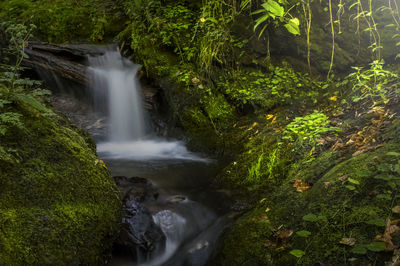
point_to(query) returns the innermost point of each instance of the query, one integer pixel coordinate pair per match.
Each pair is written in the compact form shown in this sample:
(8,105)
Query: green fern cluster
(18,96)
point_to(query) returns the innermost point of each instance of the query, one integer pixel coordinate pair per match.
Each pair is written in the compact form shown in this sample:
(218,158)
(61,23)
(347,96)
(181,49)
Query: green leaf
(392,153)
(376,246)
(377,222)
(310,217)
(274,8)
(350,187)
(31,101)
(359,250)
(384,196)
(303,233)
(385,177)
(293,26)
(297,253)
(353,181)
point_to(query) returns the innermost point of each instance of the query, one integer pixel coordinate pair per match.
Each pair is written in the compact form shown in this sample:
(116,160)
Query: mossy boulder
(58,202)
(345,198)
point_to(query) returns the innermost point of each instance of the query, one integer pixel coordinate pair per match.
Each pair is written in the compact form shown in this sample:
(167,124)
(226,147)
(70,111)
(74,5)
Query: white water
(115,88)
(173,227)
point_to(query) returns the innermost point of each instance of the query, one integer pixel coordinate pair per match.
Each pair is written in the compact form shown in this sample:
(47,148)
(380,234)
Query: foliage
(370,83)
(62,21)
(307,129)
(280,85)
(275,12)
(13,88)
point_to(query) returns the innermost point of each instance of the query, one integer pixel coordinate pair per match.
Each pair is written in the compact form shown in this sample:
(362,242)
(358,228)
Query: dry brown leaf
(396,209)
(327,184)
(285,234)
(344,178)
(390,230)
(348,241)
(269,244)
(301,186)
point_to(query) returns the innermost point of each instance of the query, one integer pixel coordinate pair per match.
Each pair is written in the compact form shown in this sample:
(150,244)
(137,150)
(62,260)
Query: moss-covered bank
(58,202)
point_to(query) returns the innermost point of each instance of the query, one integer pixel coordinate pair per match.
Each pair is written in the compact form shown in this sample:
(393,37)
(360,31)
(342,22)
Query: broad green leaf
(359,250)
(377,222)
(31,101)
(385,177)
(392,153)
(297,253)
(275,9)
(303,233)
(293,26)
(376,246)
(310,217)
(350,187)
(384,196)
(353,181)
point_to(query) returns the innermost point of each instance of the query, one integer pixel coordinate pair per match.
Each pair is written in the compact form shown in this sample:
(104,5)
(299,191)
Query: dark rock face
(136,188)
(138,228)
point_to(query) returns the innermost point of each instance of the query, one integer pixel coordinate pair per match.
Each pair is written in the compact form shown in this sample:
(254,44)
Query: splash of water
(173,226)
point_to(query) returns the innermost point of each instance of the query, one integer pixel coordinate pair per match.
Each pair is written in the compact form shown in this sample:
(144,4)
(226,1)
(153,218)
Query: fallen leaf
(269,116)
(195,80)
(396,209)
(301,186)
(262,200)
(285,234)
(327,184)
(269,244)
(333,98)
(390,230)
(252,126)
(348,241)
(344,178)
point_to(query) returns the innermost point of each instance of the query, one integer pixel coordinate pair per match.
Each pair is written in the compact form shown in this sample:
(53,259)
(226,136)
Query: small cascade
(116,92)
(114,85)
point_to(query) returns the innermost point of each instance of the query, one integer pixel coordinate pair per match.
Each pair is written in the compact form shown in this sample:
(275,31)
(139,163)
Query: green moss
(66,20)
(346,213)
(58,204)
(242,246)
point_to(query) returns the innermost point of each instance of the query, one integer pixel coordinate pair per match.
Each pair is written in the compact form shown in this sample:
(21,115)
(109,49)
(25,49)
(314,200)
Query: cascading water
(114,84)
(116,90)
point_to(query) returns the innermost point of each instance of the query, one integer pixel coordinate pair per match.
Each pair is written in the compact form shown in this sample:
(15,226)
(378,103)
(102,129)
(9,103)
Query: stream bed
(189,212)
(172,215)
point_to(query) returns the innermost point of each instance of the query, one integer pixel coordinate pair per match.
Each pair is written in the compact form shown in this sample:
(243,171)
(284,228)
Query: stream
(187,216)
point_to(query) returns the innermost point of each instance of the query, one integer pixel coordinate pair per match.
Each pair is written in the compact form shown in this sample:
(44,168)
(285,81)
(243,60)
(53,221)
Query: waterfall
(113,79)
(116,91)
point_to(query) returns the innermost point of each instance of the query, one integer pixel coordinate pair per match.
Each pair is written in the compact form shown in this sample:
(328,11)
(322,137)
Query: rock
(136,188)
(138,229)
(176,199)
(57,205)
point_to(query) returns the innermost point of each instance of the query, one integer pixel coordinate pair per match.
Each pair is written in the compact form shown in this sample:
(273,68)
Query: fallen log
(74,52)
(62,67)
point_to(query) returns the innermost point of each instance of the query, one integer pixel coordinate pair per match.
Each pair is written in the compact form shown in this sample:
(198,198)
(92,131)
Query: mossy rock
(349,197)
(58,202)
